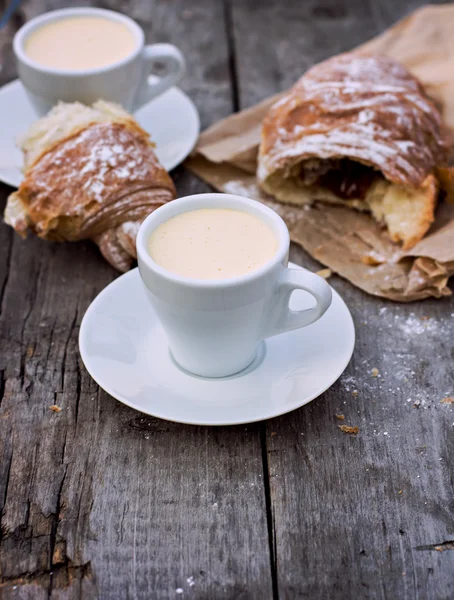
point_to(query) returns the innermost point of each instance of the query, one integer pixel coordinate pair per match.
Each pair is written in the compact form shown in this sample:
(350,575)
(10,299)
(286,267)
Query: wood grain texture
(366,515)
(275,42)
(97,500)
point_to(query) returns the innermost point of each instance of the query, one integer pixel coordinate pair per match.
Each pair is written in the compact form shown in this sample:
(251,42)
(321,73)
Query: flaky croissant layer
(90,173)
(362,132)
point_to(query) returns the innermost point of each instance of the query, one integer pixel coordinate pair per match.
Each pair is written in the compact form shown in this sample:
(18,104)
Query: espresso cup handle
(285,319)
(174,66)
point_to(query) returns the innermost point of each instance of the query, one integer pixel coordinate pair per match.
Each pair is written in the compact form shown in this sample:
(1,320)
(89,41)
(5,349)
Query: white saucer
(171,119)
(125,351)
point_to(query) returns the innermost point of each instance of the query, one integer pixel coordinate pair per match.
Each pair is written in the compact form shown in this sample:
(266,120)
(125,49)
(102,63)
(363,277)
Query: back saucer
(124,348)
(171,119)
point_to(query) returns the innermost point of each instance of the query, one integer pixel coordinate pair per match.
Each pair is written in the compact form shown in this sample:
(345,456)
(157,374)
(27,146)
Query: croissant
(89,173)
(361,132)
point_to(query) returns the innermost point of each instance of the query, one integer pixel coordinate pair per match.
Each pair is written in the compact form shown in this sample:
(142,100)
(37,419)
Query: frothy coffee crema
(79,43)
(212,243)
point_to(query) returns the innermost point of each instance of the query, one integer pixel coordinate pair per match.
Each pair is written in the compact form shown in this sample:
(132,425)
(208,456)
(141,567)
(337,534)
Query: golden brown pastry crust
(89,185)
(369,110)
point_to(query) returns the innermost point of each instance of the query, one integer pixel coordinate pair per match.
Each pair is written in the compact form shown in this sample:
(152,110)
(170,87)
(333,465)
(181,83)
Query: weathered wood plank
(275,42)
(357,516)
(96,500)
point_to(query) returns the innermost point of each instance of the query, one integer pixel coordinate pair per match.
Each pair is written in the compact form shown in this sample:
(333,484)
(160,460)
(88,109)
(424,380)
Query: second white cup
(124,82)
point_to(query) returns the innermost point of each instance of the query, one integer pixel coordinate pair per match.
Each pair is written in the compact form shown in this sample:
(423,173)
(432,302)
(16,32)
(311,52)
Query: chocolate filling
(345,178)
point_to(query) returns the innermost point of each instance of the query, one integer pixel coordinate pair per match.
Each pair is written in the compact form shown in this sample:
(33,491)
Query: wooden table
(99,501)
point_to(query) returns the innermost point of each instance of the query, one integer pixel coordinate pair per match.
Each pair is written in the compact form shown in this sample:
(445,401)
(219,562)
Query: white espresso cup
(214,327)
(124,81)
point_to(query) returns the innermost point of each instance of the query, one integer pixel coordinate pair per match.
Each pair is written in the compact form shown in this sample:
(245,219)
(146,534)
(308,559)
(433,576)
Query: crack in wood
(83,513)
(27,513)
(442,547)
(3,530)
(54,526)
(2,385)
(65,349)
(269,513)
(66,573)
(23,356)
(78,392)
(121,530)
(49,346)
(8,269)
(64,450)
(231,59)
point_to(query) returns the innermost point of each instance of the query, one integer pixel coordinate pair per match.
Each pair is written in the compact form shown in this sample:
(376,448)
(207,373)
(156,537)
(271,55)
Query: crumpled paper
(350,243)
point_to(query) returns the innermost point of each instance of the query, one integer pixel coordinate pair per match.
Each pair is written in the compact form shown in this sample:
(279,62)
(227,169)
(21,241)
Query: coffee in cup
(212,243)
(80,43)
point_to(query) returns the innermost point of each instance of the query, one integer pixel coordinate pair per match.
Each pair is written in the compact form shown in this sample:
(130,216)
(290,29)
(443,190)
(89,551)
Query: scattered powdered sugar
(348,382)
(413,325)
(241,189)
(410,325)
(189,580)
(404,372)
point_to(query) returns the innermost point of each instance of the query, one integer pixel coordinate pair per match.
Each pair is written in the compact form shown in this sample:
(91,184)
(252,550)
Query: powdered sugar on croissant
(88,171)
(359,131)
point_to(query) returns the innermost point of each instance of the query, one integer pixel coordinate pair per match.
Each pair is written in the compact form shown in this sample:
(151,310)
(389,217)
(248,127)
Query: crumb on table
(325,273)
(347,429)
(55,408)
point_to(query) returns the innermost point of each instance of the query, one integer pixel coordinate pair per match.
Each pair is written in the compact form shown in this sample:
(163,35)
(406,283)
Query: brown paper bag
(351,243)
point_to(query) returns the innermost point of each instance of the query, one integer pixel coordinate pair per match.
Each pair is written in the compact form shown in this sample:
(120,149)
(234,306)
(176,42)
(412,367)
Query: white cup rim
(56,15)
(213,200)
